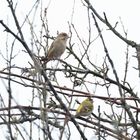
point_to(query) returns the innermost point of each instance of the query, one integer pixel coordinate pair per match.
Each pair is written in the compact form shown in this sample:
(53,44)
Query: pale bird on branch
(57,48)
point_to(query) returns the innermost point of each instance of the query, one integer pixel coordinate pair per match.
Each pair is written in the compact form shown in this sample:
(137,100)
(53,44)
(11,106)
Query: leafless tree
(56,89)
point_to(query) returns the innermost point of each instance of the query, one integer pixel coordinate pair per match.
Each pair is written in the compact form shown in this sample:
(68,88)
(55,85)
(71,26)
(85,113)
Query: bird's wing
(51,48)
(82,108)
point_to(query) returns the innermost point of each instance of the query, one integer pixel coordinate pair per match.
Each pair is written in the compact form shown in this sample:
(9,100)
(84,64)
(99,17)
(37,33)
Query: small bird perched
(57,47)
(85,108)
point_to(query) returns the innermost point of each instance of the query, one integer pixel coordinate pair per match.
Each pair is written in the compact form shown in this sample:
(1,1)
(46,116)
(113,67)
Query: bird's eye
(90,99)
(64,34)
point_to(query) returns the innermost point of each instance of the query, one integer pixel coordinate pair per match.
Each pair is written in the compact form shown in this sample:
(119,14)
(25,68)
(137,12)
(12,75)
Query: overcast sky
(60,12)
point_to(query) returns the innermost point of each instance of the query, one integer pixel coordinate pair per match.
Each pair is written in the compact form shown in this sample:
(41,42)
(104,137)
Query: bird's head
(90,99)
(63,36)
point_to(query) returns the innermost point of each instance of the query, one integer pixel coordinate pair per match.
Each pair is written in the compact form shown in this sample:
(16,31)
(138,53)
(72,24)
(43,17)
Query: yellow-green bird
(85,108)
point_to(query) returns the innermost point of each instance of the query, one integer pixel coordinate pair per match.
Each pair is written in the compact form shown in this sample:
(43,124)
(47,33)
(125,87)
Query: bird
(85,108)
(57,47)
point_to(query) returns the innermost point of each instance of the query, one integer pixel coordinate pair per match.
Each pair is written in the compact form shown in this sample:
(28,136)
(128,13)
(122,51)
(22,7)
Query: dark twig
(125,105)
(41,71)
(128,42)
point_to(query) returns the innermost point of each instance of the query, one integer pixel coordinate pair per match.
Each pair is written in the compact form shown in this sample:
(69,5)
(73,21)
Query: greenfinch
(57,47)
(85,108)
